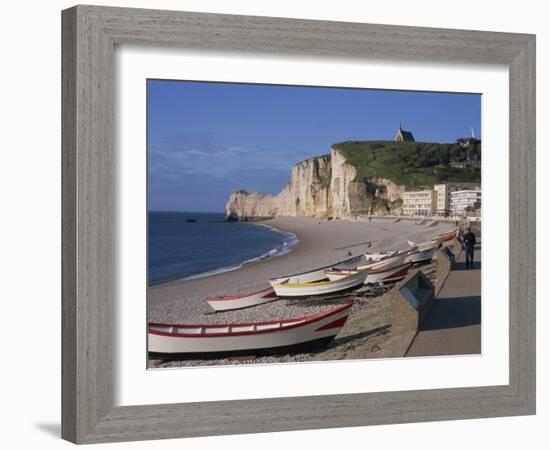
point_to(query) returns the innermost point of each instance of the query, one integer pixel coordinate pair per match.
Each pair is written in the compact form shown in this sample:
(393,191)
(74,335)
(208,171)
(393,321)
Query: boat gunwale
(328,266)
(420,249)
(389,255)
(238,297)
(322,283)
(448,233)
(371,271)
(371,264)
(300,321)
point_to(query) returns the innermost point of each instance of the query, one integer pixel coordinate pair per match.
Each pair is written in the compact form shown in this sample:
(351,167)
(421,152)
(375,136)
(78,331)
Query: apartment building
(462,199)
(442,199)
(419,203)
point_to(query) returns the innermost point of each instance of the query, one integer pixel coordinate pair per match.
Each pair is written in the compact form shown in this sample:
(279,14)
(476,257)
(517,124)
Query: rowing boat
(436,240)
(375,276)
(449,235)
(389,261)
(177,341)
(314,275)
(422,253)
(230,302)
(346,283)
(374,257)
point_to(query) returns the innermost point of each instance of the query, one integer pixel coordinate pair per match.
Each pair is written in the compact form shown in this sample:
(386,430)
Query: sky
(207,140)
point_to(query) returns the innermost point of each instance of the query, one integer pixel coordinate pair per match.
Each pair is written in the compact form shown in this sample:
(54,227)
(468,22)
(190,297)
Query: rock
(320,187)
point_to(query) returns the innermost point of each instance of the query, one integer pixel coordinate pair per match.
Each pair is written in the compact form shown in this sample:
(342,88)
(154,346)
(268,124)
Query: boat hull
(241,302)
(342,284)
(420,256)
(314,275)
(387,263)
(288,349)
(449,236)
(169,341)
(436,241)
(389,275)
(309,277)
(376,277)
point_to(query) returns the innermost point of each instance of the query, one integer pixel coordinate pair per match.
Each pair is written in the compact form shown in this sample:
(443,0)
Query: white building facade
(442,199)
(463,200)
(419,203)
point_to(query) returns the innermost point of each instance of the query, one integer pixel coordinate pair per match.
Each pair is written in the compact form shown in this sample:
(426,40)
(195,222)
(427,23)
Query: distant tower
(468,141)
(403,136)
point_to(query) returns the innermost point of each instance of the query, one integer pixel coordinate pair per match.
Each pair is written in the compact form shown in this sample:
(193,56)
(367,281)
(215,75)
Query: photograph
(256,225)
(296,224)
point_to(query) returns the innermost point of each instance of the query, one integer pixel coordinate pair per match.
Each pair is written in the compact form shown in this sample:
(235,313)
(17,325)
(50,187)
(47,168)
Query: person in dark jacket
(469,240)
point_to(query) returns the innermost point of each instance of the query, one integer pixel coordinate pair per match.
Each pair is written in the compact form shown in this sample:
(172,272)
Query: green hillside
(412,164)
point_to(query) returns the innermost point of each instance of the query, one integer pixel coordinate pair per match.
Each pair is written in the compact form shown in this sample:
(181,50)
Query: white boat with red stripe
(438,240)
(208,341)
(449,235)
(231,302)
(314,275)
(375,276)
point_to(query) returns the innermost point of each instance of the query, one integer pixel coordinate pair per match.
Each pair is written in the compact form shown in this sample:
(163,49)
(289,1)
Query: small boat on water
(176,341)
(375,276)
(314,275)
(345,283)
(230,302)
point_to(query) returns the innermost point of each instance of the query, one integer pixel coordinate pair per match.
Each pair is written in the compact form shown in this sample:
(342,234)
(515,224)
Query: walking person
(469,240)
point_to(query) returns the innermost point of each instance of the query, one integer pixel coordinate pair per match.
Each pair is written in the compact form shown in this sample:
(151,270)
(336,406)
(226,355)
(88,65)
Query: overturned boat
(285,288)
(231,302)
(180,341)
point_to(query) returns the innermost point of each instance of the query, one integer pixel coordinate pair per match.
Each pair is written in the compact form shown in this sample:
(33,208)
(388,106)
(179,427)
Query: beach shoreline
(289,241)
(320,242)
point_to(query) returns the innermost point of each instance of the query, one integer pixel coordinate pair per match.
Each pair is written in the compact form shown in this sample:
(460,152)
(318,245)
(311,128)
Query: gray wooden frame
(89,36)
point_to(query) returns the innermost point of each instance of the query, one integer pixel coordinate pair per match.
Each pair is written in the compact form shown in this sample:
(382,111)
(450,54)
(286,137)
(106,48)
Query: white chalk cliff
(319,187)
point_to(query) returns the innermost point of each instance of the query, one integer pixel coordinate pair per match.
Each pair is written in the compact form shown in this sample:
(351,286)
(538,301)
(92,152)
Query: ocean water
(185,245)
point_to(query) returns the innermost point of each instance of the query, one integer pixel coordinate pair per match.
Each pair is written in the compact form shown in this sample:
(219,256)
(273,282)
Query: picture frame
(89,37)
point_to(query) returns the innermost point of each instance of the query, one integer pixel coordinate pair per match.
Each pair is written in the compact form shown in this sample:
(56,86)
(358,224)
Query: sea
(189,245)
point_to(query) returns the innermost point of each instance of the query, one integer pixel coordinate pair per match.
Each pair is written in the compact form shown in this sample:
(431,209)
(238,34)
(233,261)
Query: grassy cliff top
(412,164)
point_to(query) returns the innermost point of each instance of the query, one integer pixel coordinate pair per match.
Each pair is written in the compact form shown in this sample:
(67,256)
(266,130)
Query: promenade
(453,326)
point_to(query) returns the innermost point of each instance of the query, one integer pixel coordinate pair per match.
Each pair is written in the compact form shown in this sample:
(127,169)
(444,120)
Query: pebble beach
(321,242)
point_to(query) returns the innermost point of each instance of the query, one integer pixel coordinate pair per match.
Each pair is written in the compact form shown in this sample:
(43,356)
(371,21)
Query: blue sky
(207,140)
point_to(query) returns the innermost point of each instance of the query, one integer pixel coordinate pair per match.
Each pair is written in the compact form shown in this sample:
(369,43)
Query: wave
(290,241)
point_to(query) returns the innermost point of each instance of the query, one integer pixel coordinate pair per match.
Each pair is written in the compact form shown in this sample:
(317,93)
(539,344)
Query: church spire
(403,135)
